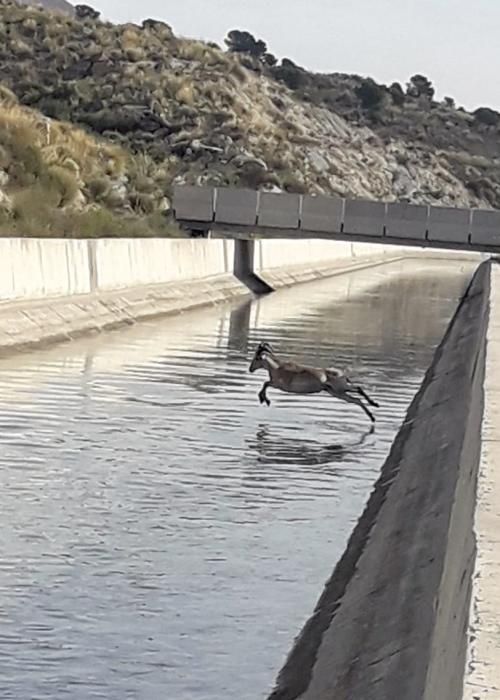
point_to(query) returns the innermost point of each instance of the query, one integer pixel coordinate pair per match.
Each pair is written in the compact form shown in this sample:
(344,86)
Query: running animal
(299,379)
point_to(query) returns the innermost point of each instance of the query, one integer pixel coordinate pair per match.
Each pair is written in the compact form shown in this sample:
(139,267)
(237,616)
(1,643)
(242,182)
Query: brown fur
(294,378)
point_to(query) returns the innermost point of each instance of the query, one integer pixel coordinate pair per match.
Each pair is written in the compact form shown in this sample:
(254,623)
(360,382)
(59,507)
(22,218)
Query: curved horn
(265,347)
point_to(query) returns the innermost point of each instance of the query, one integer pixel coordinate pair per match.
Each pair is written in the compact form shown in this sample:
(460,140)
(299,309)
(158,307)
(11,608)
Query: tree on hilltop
(244,42)
(420,86)
(86,12)
(486,116)
(370,94)
(397,94)
(290,73)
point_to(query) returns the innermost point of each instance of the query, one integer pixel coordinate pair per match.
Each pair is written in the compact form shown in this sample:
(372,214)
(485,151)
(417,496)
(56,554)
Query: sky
(452,42)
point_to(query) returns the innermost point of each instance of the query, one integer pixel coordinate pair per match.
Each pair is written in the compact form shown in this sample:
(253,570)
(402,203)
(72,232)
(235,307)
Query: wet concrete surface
(163,535)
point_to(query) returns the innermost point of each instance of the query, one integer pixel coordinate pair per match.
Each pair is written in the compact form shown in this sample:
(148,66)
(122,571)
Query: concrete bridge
(245,214)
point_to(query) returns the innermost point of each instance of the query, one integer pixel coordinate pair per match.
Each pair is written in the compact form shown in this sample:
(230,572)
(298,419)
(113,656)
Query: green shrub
(60,183)
(27,164)
(397,94)
(98,188)
(420,86)
(144,184)
(486,116)
(5,158)
(7,97)
(244,42)
(370,94)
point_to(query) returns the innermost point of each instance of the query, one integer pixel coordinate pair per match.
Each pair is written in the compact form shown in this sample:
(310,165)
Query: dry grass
(185,94)
(131,38)
(237,71)
(7,97)
(63,181)
(55,143)
(194,51)
(94,223)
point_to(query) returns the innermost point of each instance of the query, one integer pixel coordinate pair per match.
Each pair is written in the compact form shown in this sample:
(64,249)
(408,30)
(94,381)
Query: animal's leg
(262,393)
(353,399)
(363,393)
(358,402)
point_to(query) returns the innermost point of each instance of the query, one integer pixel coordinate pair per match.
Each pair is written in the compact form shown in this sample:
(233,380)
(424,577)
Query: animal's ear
(265,347)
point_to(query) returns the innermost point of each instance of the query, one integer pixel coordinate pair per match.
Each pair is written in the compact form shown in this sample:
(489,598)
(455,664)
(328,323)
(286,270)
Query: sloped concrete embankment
(392,619)
(52,290)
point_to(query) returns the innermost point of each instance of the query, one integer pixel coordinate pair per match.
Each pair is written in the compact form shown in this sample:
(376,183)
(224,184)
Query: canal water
(162,535)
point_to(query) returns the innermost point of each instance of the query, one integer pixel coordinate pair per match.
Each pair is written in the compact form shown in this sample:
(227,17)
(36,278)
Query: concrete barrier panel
(33,268)
(278,210)
(277,253)
(364,218)
(125,262)
(192,203)
(485,227)
(236,206)
(118,280)
(406,220)
(321,214)
(449,224)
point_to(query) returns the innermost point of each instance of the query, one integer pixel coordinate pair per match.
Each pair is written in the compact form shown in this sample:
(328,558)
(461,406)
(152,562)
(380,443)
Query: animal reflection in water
(299,379)
(294,451)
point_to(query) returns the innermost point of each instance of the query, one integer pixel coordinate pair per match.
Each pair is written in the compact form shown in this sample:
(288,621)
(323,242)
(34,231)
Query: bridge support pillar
(243,267)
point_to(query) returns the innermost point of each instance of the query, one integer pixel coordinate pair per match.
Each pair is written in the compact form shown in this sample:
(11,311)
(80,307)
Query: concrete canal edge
(56,290)
(392,620)
(482,680)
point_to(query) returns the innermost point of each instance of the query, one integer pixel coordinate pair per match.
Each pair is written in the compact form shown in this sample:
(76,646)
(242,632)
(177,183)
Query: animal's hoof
(263,399)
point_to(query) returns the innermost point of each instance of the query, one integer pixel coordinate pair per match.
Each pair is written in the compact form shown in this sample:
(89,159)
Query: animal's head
(258,358)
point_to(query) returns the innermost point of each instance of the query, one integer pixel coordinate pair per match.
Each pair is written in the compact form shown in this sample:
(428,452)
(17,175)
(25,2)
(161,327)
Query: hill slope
(208,116)
(56,179)
(54,5)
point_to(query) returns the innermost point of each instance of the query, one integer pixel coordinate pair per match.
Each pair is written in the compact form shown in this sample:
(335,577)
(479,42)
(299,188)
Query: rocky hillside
(237,117)
(58,179)
(53,5)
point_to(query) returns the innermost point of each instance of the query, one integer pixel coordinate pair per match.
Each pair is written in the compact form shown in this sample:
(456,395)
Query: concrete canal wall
(57,289)
(392,619)
(482,681)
